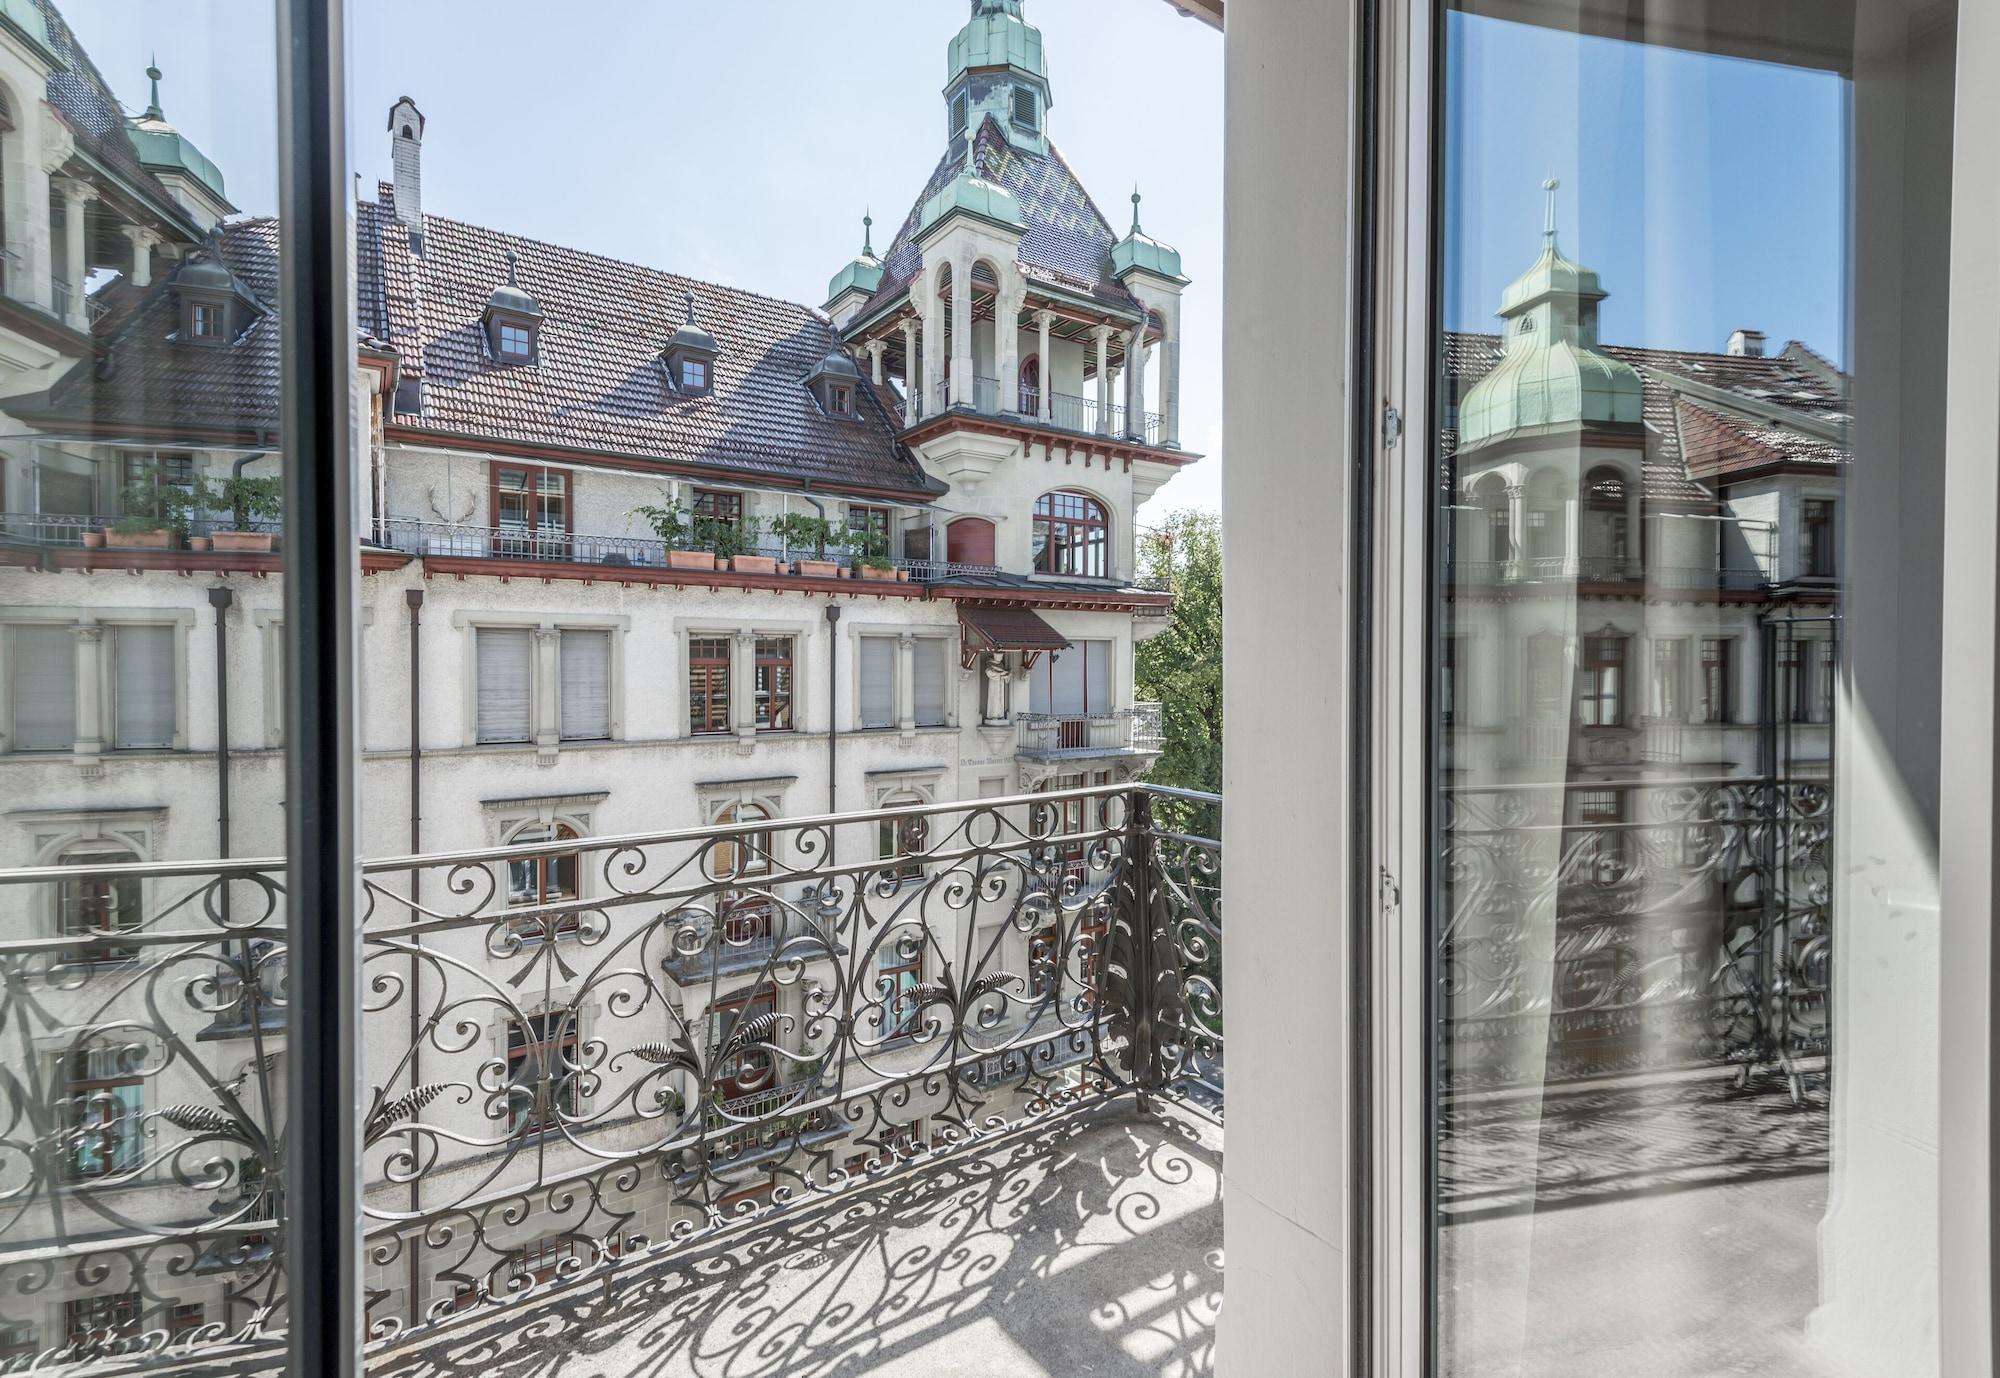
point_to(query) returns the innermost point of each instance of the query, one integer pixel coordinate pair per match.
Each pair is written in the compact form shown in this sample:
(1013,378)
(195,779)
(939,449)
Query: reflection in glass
(1648,543)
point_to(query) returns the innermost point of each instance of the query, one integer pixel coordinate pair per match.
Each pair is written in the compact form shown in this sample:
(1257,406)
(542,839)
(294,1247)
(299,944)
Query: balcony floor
(1087,1246)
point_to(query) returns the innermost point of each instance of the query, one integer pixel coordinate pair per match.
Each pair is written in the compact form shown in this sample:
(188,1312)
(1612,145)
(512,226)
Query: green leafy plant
(871,548)
(726,538)
(669,521)
(151,506)
(246,499)
(801,532)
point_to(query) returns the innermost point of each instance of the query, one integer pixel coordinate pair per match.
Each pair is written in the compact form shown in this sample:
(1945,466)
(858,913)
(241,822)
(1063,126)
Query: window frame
(536,929)
(526,540)
(535,1121)
(121,1152)
(1060,542)
(1601,680)
(774,710)
(705,704)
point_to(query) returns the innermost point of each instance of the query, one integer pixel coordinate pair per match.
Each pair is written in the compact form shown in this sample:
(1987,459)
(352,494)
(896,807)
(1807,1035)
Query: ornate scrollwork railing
(1620,926)
(702,1028)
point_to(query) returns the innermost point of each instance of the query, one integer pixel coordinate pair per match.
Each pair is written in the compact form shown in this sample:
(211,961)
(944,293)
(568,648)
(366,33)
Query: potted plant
(737,543)
(246,500)
(154,514)
(671,523)
(817,534)
(875,561)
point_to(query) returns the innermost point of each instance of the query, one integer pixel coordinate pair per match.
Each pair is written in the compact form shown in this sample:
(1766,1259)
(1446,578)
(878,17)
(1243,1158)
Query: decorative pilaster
(961,332)
(1046,403)
(548,728)
(142,241)
(936,342)
(915,375)
(876,349)
(90,725)
(1007,347)
(1170,376)
(76,195)
(743,689)
(906,684)
(1103,380)
(1135,383)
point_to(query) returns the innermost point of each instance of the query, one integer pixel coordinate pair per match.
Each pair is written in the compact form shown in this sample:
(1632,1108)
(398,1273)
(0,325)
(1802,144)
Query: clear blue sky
(738,142)
(1709,192)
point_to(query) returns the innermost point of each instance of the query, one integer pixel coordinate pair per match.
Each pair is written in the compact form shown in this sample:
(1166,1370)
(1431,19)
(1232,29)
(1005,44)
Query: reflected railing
(718,1026)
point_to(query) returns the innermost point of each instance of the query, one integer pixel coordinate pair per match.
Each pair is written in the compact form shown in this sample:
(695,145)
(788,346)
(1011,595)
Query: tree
(1181,668)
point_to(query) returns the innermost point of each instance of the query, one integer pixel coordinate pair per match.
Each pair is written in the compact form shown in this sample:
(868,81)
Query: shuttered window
(931,679)
(503,677)
(43,684)
(143,716)
(586,686)
(878,681)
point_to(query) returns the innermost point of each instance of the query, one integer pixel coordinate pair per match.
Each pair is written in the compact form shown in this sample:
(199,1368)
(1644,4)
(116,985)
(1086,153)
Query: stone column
(875,350)
(935,344)
(1007,350)
(76,195)
(91,729)
(913,373)
(1043,320)
(1170,376)
(548,727)
(1572,537)
(743,686)
(906,683)
(1517,529)
(1135,382)
(1103,380)
(961,333)
(142,241)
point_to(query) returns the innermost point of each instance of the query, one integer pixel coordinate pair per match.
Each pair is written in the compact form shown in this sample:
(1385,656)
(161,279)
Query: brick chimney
(406,127)
(1746,344)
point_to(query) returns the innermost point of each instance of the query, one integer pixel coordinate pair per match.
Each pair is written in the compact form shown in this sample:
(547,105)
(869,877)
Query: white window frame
(94,739)
(544,681)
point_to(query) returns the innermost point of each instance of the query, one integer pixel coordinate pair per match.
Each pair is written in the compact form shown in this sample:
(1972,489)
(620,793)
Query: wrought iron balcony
(1056,736)
(548,1110)
(1076,415)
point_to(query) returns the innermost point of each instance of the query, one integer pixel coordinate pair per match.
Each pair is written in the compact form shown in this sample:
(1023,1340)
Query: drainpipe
(832,707)
(415,599)
(220,598)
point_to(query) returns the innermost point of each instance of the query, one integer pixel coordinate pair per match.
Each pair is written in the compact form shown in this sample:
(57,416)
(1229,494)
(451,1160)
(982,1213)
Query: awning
(989,628)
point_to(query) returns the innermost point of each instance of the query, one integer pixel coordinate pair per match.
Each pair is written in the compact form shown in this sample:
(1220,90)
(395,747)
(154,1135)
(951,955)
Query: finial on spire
(1135,208)
(512,259)
(690,305)
(153,74)
(1549,221)
(868,232)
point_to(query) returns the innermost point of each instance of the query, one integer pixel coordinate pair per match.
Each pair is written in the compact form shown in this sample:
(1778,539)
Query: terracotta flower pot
(261,541)
(754,564)
(690,559)
(93,540)
(880,576)
(139,540)
(819,569)
(198,543)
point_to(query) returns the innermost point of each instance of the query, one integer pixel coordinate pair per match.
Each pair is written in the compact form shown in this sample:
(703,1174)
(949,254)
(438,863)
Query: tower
(995,66)
(406,128)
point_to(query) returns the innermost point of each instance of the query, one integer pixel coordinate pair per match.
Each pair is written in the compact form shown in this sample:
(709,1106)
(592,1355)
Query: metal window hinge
(1392,893)
(1392,428)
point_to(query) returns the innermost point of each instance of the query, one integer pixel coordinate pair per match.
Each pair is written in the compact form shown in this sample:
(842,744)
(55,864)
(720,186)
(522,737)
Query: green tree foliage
(1182,666)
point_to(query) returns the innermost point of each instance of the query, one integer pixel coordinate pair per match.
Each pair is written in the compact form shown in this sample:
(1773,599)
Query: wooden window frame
(124,1326)
(546,892)
(539,1035)
(78,914)
(1075,545)
(530,541)
(1820,549)
(501,331)
(120,1152)
(752,1004)
(897,1023)
(1718,688)
(708,710)
(1601,680)
(773,711)
(1029,400)
(747,914)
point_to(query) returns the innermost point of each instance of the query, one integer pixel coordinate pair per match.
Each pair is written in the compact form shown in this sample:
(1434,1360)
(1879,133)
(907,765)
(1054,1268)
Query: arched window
(1072,535)
(742,856)
(1607,523)
(544,879)
(1030,401)
(94,907)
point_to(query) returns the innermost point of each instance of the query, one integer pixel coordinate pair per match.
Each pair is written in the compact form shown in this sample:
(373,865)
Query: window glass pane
(1686,634)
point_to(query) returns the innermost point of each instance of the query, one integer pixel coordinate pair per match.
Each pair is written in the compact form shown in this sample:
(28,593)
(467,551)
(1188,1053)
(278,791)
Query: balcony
(994,1089)
(1075,736)
(1594,569)
(1073,415)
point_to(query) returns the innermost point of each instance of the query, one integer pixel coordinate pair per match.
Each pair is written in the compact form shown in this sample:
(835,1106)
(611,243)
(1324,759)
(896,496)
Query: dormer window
(690,357)
(834,383)
(840,399)
(214,307)
(205,320)
(513,320)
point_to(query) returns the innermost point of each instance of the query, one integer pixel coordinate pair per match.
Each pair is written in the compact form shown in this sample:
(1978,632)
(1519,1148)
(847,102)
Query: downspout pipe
(221,598)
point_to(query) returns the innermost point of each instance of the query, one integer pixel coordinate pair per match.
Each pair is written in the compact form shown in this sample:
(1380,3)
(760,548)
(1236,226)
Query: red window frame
(1072,535)
(895,980)
(94,904)
(708,685)
(747,1073)
(546,514)
(1602,690)
(772,686)
(105,1126)
(544,1045)
(718,504)
(902,840)
(746,855)
(99,1320)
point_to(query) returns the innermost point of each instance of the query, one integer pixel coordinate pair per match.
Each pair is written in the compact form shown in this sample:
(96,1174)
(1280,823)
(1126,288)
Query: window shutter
(145,687)
(931,680)
(1097,677)
(44,689)
(1024,106)
(586,686)
(878,681)
(505,663)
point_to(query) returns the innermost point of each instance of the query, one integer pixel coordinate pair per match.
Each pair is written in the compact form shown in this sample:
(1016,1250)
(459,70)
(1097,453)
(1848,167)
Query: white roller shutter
(878,681)
(44,685)
(503,680)
(931,681)
(145,687)
(586,686)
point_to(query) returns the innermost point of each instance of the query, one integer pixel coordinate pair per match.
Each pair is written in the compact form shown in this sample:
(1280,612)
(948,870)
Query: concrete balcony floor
(1090,1245)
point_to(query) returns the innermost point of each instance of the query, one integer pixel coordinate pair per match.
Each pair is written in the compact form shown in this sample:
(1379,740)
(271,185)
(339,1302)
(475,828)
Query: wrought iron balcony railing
(1080,415)
(538,1086)
(1052,736)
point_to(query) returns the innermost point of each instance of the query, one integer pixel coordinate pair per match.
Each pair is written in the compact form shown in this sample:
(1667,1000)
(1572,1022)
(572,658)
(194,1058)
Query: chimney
(1746,344)
(406,128)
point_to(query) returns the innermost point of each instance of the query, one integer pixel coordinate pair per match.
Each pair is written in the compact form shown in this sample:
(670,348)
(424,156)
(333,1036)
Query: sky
(738,142)
(1708,192)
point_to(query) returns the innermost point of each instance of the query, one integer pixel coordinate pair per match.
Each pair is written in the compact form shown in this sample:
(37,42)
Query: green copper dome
(864,274)
(1551,372)
(996,36)
(1139,251)
(164,149)
(973,195)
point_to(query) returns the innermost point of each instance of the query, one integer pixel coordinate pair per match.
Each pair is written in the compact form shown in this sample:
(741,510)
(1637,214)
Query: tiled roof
(598,383)
(1065,239)
(1717,437)
(1009,629)
(148,382)
(83,99)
